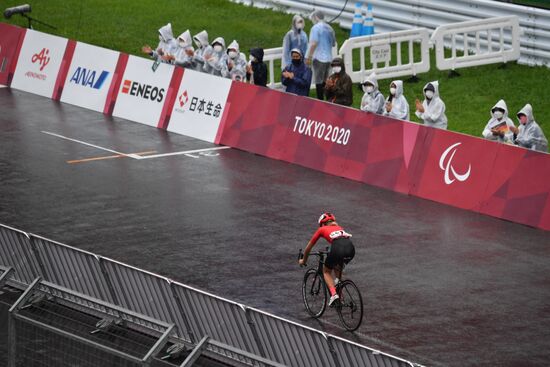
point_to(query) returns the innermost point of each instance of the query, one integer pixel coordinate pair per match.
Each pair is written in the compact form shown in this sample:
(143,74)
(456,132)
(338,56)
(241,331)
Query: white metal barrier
(487,41)
(382,47)
(270,56)
(390,16)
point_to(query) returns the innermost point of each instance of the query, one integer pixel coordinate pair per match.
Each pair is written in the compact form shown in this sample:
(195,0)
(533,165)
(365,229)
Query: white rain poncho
(184,45)
(503,125)
(233,68)
(434,109)
(400,106)
(203,48)
(167,44)
(373,101)
(212,59)
(530,135)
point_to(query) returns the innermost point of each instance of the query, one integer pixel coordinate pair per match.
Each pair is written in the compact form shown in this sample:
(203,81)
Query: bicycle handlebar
(317,253)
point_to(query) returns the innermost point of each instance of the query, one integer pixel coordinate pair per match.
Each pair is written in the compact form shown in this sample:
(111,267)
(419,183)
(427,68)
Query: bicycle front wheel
(350,308)
(314,293)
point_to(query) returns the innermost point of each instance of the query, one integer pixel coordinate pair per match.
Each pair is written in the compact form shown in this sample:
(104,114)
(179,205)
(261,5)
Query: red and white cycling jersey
(329,233)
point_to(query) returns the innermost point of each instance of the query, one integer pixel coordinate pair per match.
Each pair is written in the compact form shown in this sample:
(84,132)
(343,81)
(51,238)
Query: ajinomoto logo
(43,59)
(144,91)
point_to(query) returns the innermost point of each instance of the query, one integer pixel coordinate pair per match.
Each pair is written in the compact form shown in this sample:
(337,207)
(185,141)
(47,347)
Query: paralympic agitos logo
(144,91)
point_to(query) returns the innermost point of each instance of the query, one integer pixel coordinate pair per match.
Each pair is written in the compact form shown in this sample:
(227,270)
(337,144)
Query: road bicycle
(315,295)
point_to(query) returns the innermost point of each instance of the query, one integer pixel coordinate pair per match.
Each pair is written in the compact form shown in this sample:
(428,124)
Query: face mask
(296,62)
(369,89)
(336,69)
(498,114)
(393,91)
(160,38)
(218,48)
(232,54)
(429,94)
(252,58)
(182,44)
(523,119)
(300,26)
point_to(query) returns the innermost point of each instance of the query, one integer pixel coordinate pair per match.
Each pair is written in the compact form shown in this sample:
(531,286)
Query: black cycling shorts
(341,252)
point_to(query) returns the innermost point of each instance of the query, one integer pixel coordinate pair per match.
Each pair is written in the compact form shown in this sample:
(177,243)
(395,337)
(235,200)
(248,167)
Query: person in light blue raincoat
(499,127)
(203,48)
(396,104)
(295,38)
(185,51)
(233,63)
(212,59)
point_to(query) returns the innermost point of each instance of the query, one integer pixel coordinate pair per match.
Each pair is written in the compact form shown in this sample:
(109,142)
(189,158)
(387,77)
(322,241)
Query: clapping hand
(419,106)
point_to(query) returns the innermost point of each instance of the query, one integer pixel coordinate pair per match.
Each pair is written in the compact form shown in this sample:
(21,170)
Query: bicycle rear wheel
(314,293)
(350,307)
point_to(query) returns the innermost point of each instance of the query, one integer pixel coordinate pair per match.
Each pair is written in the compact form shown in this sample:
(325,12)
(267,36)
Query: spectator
(203,48)
(339,87)
(319,55)
(233,63)
(529,134)
(297,76)
(396,103)
(256,69)
(184,53)
(167,44)
(432,109)
(295,38)
(499,127)
(373,100)
(212,60)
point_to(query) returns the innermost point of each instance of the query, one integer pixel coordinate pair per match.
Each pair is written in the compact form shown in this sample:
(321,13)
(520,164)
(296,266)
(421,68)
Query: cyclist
(341,251)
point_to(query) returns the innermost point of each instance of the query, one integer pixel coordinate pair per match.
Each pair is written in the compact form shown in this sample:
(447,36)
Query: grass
(126,25)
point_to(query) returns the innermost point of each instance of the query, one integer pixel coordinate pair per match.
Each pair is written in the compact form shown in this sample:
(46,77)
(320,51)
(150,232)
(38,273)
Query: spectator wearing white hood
(500,126)
(233,63)
(167,44)
(396,103)
(432,109)
(529,134)
(373,100)
(213,58)
(203,48)
(295,38)
(184,54)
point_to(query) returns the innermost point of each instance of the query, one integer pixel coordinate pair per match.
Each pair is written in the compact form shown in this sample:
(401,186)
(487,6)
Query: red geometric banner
(11,38)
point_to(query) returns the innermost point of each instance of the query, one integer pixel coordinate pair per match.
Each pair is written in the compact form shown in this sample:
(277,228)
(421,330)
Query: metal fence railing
(236,332)
(391,16)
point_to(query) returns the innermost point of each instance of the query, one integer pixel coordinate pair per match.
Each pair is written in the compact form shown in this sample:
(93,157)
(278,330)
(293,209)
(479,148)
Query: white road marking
(188,153)
(90,145)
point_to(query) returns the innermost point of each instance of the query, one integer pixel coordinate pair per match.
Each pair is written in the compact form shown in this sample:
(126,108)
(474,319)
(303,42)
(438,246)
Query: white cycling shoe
(333,300)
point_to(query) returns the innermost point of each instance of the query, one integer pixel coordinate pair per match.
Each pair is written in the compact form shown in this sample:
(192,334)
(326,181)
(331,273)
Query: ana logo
(42,58)
(144,91)
(89,78)
(447,166)
(183,98)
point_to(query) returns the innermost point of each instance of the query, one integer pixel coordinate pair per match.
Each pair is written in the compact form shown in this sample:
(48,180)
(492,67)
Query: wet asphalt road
(443,287)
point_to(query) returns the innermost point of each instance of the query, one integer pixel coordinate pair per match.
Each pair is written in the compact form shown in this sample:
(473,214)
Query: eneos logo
(144,91)
(42,58)
(89,78)
(447,166)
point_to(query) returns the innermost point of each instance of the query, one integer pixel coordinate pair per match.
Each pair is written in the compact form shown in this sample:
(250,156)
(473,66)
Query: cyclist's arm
(311,243)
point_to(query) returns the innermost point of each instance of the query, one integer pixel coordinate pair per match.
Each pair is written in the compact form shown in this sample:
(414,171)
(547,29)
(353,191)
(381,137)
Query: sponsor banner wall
(454,168)
(90,76)
(39,63)
(519,187)
(199,105)
(332,139)
(142,92)
(10,44)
